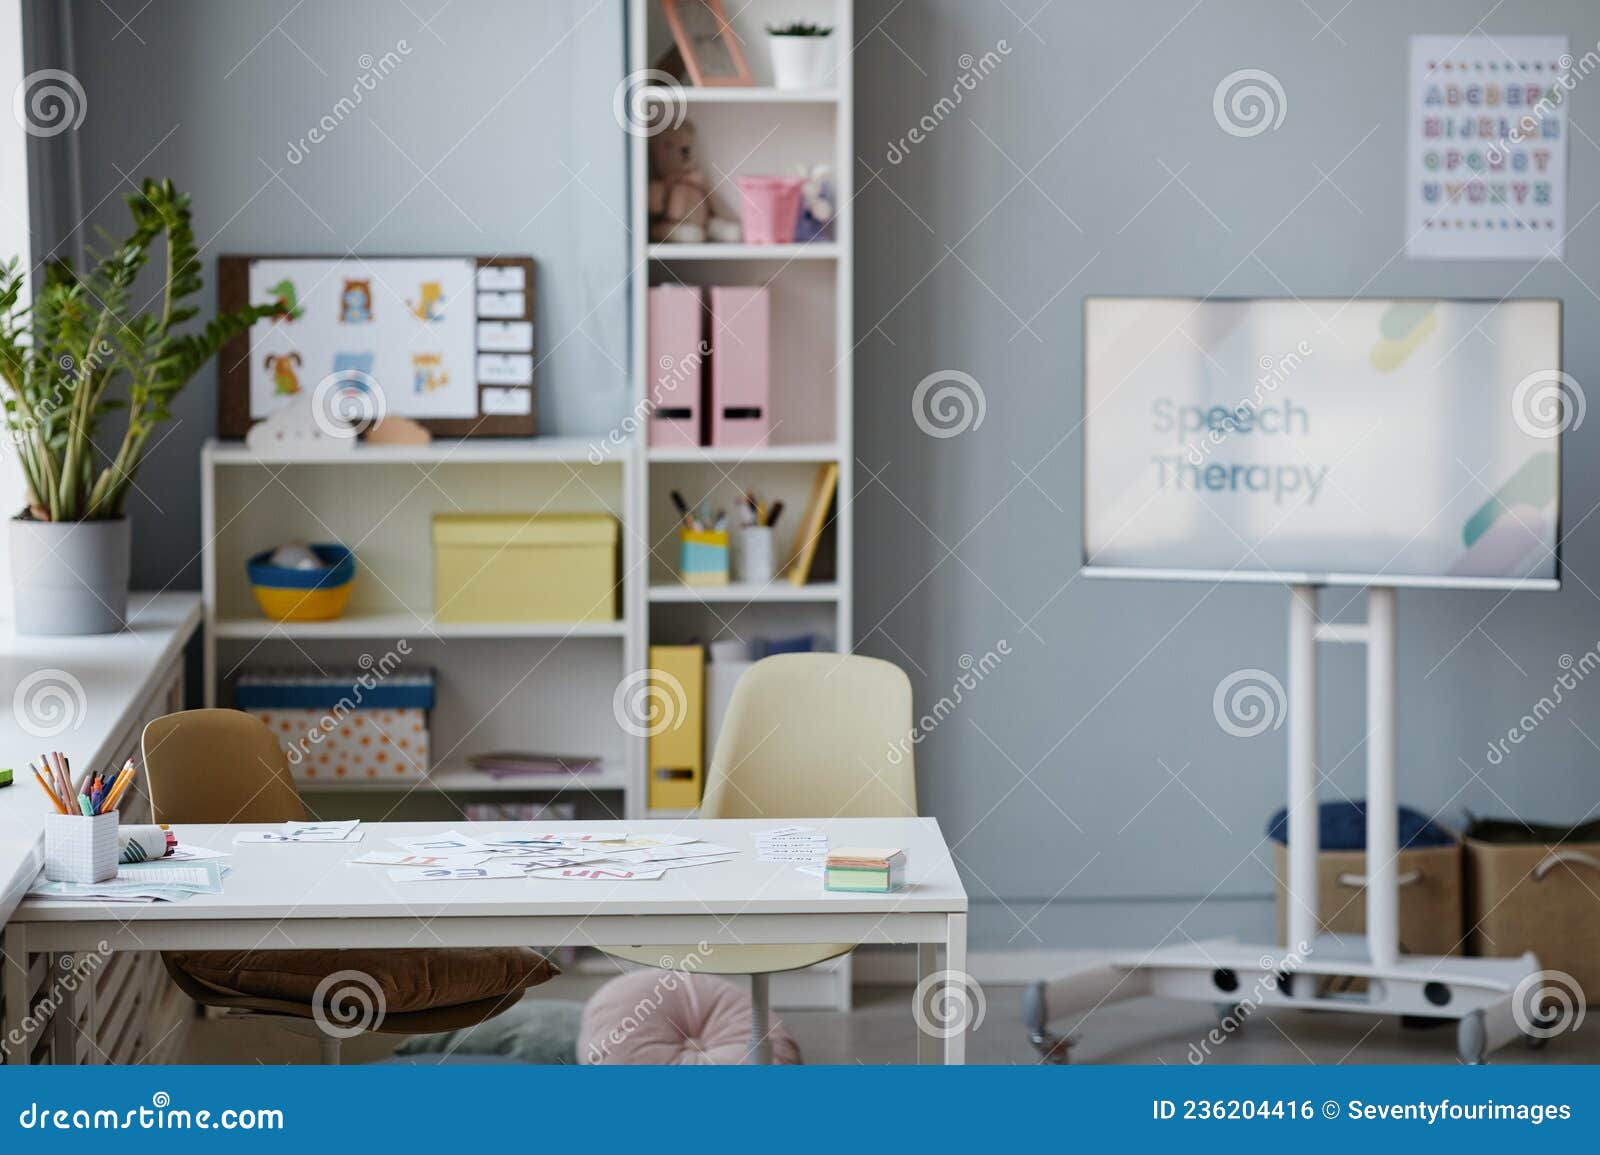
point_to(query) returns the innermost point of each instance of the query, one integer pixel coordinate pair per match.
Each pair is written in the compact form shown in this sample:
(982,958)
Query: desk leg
(955,965)
(927,964)
(14,992)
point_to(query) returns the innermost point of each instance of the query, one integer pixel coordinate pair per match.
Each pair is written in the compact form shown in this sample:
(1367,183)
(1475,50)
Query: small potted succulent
(88,345)
(802,54)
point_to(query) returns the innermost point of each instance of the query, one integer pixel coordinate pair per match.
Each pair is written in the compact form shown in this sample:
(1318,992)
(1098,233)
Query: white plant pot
(69,577)
(801,61)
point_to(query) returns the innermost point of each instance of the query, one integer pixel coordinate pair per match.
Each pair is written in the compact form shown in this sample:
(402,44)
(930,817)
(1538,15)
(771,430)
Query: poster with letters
(1487,124)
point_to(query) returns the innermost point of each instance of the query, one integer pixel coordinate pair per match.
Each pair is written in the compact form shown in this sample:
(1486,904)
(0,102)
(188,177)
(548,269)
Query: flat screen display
(1388,442)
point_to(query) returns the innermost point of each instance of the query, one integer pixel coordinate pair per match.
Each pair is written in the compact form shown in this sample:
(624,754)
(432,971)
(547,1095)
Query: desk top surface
(318,880)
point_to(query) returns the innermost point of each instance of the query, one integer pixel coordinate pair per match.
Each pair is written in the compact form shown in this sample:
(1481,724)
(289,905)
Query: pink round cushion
(671,1017)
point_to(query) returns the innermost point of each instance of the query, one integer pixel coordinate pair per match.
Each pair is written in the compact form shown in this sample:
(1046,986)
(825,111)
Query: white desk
(283,897)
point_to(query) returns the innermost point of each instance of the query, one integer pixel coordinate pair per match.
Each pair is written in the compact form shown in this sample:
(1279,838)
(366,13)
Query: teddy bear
(682,209)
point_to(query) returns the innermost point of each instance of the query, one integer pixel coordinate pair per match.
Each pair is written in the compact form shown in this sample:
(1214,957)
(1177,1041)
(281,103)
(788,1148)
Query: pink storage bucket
(770,207)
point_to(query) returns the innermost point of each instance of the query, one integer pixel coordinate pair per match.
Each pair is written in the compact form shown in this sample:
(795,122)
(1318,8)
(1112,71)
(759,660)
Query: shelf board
(808,251)
(777,591)
(454,450)
(687,94)
(466,780)
(708,454)
(406,625)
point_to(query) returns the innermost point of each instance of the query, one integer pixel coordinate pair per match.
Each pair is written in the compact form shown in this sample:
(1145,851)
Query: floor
(881,1030)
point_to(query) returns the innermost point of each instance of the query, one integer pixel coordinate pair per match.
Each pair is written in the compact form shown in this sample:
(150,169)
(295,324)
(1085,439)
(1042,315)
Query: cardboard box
(1537,897)
(513,567)
(1430,896)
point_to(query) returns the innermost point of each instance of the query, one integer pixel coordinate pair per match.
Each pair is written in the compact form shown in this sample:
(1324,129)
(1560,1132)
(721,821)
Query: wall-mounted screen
(1388,442)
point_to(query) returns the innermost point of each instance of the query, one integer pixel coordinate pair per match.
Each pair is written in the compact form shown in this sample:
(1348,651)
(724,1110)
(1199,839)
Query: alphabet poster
(1487,172)
(402,326)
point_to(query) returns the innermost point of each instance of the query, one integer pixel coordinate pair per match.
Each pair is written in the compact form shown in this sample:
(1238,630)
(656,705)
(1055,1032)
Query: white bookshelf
(759,129)
(501,685)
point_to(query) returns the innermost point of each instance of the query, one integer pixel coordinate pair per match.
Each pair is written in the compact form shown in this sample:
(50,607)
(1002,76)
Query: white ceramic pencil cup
(80,849)
(752,554)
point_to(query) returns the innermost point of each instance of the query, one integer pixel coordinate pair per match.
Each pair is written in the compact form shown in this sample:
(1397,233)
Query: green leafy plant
(799,28)
(82,334)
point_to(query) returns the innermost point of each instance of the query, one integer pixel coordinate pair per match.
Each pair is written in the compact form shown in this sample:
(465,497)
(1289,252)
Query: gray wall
(493,134)
(1051,776)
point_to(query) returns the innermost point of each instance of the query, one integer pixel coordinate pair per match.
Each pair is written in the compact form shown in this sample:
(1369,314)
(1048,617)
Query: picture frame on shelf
(711,52)
(447,341)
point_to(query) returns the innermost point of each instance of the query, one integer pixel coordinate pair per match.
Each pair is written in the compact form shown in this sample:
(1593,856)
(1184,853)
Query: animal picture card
(445,341)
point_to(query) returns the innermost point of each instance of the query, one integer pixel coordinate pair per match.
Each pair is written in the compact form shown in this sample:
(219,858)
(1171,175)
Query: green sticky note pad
(5,778)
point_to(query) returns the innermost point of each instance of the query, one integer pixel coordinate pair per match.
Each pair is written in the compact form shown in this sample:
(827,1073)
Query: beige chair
(221,766)
(805,736)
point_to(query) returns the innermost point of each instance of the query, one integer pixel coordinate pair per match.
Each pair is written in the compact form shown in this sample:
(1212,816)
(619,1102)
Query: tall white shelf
(758,129)
(502,685)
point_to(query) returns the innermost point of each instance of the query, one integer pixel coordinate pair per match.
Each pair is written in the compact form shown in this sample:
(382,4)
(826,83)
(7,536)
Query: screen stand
(1493,1000)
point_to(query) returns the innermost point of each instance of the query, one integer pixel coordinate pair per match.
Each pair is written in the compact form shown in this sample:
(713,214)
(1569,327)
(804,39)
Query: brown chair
(224,766)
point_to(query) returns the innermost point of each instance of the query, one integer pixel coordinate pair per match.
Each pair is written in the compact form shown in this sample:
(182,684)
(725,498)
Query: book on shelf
(815,547)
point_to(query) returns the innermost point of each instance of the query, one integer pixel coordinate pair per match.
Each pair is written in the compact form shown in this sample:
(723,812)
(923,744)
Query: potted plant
(802,54)
(59,359)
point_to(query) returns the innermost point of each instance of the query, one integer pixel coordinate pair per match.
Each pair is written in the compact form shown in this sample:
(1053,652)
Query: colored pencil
(119,788)
(45,786)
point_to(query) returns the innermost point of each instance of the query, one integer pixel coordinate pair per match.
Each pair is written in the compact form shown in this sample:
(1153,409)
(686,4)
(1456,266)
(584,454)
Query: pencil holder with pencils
(80,848)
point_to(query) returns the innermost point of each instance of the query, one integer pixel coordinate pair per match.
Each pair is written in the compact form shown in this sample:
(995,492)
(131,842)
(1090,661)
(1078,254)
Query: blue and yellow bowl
(304,595)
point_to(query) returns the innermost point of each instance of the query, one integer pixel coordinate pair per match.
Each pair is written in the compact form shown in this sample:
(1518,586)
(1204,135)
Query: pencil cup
(79,849)
(752,554)
(703,557)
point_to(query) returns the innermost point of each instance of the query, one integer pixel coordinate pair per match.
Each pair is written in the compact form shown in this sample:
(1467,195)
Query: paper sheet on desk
(140,881)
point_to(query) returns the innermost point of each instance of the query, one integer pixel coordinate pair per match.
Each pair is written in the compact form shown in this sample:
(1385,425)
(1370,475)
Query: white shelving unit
(751,130)
(502,685)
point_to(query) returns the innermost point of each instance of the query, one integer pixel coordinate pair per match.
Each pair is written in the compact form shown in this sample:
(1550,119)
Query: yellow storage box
(514,567)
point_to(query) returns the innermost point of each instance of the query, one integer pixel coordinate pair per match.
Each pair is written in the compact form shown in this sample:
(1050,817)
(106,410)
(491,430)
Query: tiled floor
(881,1030)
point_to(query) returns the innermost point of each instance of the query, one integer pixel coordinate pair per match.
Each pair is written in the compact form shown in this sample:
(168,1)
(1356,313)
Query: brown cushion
(397,981)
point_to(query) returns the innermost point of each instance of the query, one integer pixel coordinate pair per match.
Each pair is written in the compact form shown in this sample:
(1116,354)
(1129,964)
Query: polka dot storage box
(362,726)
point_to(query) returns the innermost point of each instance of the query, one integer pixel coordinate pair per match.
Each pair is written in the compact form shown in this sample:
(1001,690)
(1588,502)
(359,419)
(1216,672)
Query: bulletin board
(448,340)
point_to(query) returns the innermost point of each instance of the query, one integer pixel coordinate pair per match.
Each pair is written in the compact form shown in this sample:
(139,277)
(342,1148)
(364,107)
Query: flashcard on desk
(535,841)
(597,873)
(401,858)
(450,842)
(324,831)
(586,836)
(455,873)
(669,853)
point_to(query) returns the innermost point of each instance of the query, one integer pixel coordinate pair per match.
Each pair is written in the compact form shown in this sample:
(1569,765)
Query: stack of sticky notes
(855,868)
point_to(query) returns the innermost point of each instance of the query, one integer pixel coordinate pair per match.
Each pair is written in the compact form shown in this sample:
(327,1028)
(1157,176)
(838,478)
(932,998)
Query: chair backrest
(214,766)
(815,736)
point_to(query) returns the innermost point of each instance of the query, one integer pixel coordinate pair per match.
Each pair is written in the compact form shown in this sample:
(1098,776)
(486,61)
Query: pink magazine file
(741,366)
(675,368)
